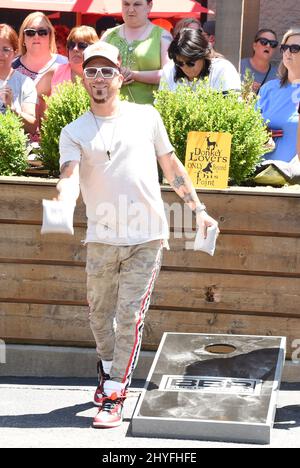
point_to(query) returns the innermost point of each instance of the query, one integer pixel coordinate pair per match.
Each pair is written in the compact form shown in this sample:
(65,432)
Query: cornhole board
(212,387)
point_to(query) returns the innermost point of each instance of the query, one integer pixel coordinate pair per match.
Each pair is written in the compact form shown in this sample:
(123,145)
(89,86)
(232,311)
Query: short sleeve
(244,63)
(29,93)
(263,98)
(225,77)
(69,148)
(167,78)
(61,59)
(162,142)
(246,68)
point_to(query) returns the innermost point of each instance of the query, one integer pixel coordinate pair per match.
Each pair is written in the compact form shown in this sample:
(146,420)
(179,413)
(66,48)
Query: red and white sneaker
(111,412)
(102,378)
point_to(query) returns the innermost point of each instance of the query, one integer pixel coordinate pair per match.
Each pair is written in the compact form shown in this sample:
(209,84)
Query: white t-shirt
(23,88)
(122,194)
(223,76)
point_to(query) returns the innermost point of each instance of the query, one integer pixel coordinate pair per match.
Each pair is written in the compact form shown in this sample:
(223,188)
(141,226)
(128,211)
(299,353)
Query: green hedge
(13,145)
(69,102)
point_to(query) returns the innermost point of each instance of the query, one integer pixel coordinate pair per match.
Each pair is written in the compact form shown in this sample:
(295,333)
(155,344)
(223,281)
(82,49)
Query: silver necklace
(107,151)
(129,44)
(130,49)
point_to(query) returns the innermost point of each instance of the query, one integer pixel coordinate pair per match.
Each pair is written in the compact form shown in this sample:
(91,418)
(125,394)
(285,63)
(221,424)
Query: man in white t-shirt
(111,153)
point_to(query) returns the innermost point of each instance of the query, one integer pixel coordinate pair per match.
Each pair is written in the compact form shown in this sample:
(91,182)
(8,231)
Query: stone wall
(279,15)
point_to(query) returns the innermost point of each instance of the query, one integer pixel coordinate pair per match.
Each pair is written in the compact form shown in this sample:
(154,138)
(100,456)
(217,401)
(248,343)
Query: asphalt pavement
(57,413)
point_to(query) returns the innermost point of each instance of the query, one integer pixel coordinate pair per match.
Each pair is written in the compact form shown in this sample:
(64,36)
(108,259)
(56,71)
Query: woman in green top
(143,48)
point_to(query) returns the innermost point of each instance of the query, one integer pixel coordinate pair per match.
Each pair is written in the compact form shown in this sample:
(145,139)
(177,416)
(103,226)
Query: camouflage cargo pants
(120,281)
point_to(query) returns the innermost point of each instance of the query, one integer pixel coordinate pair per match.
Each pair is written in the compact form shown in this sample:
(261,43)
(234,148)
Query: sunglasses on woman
(189,64)
(6,50)
(264,42)
(91,73)
(41,32)
(294,48)
(80,45)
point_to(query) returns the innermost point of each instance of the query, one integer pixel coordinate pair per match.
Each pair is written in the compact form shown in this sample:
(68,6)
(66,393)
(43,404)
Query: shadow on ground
(63,417)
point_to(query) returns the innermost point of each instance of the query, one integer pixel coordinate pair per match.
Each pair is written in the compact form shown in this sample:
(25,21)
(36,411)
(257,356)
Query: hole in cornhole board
(220,349)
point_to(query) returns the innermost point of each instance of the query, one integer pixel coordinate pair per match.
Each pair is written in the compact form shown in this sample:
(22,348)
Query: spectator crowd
(154,55)
(113,149)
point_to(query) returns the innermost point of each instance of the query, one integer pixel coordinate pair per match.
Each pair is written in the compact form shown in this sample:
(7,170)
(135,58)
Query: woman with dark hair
(279,99)
(193,60)
(264,46)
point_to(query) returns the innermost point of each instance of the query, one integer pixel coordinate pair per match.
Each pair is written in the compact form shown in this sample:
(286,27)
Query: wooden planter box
(251,286)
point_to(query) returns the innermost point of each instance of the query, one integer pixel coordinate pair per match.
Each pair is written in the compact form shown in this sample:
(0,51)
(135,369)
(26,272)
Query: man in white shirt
(111,153)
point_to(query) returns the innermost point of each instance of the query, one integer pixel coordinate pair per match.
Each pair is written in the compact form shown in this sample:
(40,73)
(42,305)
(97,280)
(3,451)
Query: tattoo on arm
(64,167)
(184,189)
(178,182)
(190,198)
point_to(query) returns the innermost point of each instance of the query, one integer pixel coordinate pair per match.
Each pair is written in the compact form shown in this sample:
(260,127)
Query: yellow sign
(208,158)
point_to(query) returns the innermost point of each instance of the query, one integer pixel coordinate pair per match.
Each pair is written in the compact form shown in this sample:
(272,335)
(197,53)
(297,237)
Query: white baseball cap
(102,49)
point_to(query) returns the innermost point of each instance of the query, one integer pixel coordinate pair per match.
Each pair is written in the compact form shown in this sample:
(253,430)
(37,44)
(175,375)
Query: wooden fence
(251,286)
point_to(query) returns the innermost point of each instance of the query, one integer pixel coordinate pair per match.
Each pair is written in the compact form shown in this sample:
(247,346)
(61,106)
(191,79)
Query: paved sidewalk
(58,413)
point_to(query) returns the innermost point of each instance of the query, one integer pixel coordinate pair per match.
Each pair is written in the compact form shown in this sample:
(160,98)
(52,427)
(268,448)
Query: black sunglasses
(189,63)
(80,45)
(264,42)
(40,32)
(294,48)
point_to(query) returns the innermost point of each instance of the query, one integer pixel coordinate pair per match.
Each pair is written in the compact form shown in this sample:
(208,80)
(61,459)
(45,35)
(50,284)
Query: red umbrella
(161,8)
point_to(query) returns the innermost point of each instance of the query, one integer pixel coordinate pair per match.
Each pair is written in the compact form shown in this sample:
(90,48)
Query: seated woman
(193,60)
(279,99)
(264,46)
(17,91)
(78,40)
